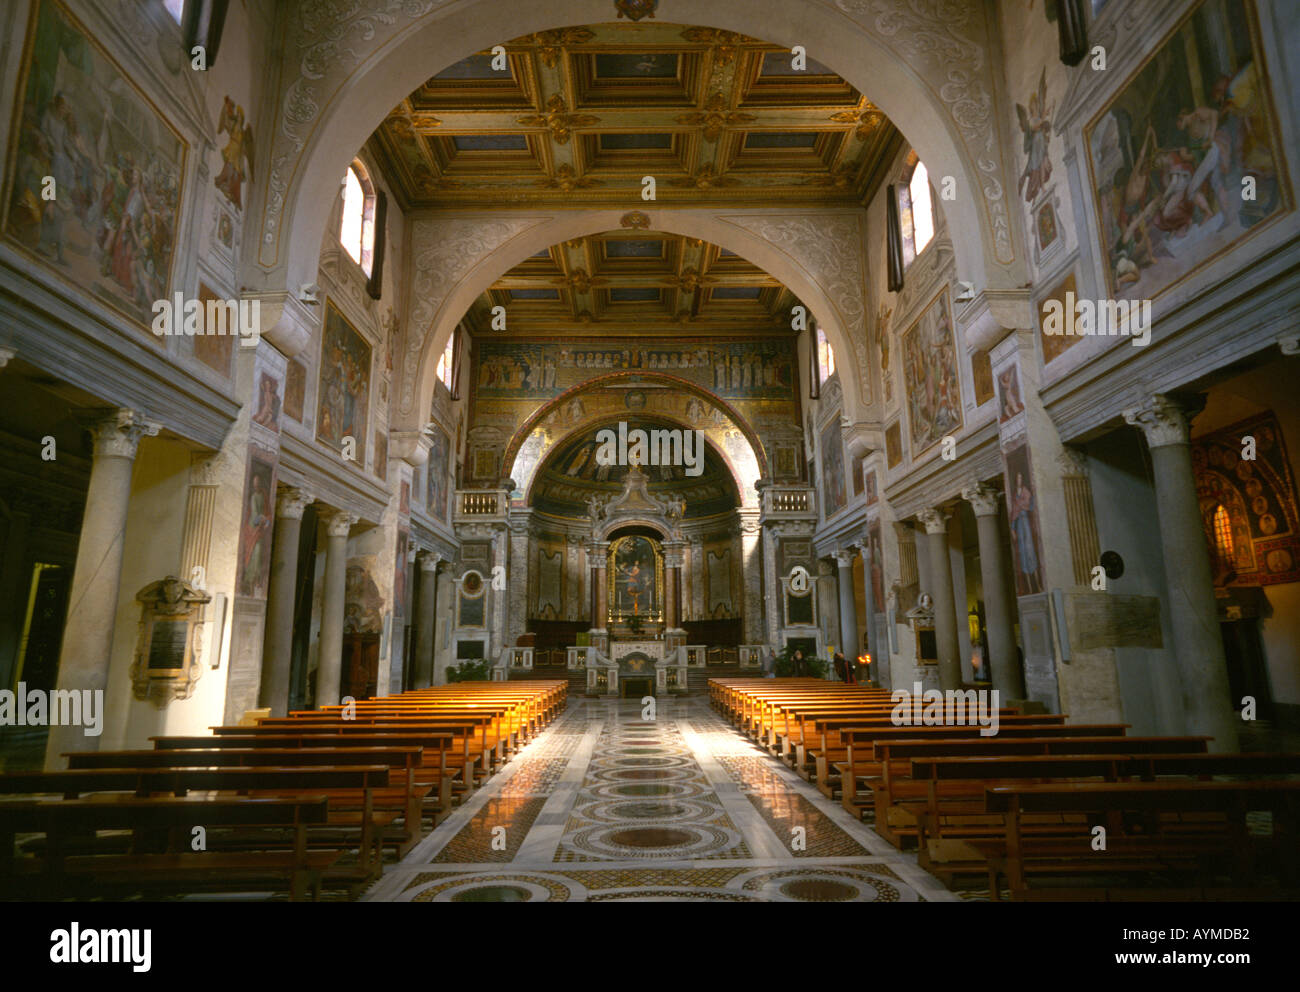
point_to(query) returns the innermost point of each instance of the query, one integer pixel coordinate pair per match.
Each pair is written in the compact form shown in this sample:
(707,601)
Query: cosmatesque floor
(608,806)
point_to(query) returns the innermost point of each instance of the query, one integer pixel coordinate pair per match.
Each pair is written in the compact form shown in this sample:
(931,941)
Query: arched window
(825,357)
(1223,536)
(916,212)
(445,362)
(357,229)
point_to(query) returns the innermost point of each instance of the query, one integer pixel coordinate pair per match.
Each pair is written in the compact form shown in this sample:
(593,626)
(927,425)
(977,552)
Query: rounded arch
(836,298)
(610,420)
(352,67)
(558,403)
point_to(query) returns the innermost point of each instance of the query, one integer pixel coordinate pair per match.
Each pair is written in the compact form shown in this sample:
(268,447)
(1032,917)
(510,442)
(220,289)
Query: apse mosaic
(1248,505)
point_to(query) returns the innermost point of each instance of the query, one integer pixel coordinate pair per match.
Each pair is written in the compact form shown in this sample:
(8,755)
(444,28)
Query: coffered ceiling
(635,283)
(581,114)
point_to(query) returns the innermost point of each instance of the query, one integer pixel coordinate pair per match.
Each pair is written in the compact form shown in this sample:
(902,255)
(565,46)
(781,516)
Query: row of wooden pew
(1045,808)
(295,806)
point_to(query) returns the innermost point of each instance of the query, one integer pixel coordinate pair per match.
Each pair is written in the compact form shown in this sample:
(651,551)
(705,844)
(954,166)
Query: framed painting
(343,404)
(831,451)
(1185,161)
(117,165)
(931,382)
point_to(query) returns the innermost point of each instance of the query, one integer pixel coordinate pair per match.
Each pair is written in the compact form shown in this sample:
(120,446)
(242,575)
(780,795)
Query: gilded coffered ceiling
(578,116)
(634,283)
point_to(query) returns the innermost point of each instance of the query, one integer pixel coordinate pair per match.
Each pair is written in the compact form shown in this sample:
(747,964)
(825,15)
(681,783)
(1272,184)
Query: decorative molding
(945,43)
(443,252)
(830,249)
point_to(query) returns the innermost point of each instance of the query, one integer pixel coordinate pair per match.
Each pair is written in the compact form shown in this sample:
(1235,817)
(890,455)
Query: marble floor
(606,805)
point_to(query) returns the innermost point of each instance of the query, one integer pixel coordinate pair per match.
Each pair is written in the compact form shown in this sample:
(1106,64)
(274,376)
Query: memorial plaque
(167,644)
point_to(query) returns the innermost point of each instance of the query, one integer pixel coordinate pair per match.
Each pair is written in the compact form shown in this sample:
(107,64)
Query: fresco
(893,444)
(237,155)
(1022,514)
(363,612)
(344,384)
(1055,345)
(931,386)
(1262,540)
(1009,402)
(255,529)
(213,350)
(751,369)
(295,389)
(117,166)
(830,450)
(267,412)
(1169,154)
(436,487)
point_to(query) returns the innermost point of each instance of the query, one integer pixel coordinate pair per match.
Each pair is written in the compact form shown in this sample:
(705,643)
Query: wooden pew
(1215,843)
(57,875)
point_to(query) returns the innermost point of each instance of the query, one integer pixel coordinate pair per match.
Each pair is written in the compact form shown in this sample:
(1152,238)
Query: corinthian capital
(340,523)
(117,433)
(934,520)
(983,499)
(1165,419)
(291,502)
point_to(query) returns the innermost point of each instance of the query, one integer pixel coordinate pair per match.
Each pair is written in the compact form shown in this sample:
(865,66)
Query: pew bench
(177,870)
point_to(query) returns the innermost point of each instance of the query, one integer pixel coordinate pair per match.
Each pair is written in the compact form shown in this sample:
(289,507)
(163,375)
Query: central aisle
(605,805)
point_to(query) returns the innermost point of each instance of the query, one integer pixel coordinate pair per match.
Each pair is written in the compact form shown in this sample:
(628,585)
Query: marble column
(671,573)
(596,552)
(1198,644)
(518,575)
(935,522)
(1008,675)
(751,575)
(848,608)
(86,654)
(277,641)
(330,658)
(426,610)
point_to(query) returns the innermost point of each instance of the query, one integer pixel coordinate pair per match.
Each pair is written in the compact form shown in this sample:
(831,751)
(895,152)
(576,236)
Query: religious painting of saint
(436,488)
(930,379)
(237,157)
(1009,402)
(255,529)
(831,452)
(267,411)
(1036,126)
(877,567)
(634,579)
(1022,514)
(872,493)
(344,384)
(115,162)
(1172,155)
